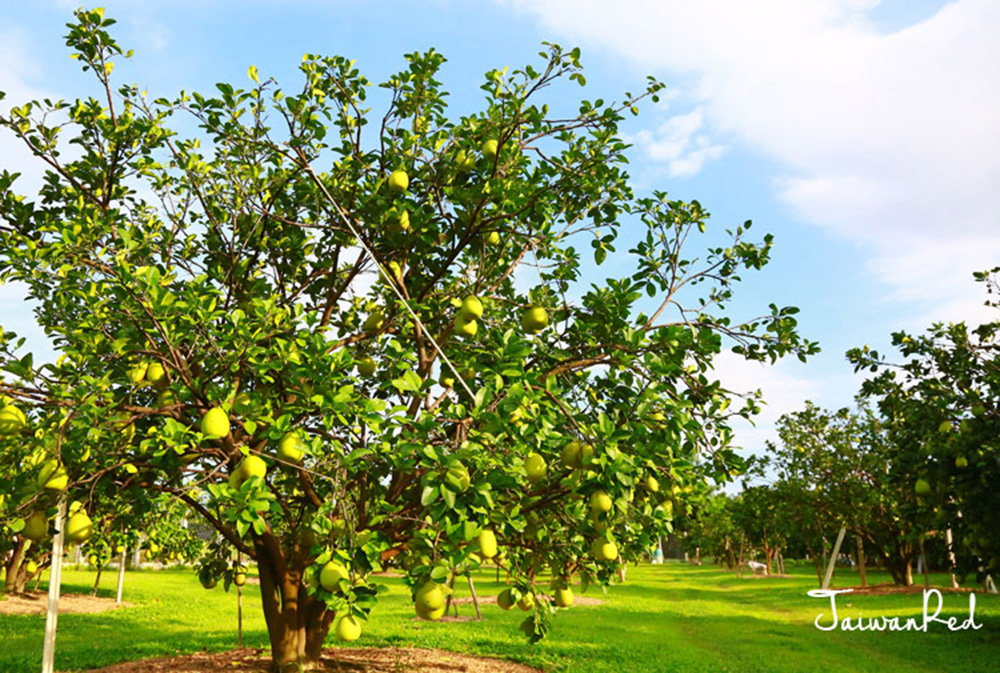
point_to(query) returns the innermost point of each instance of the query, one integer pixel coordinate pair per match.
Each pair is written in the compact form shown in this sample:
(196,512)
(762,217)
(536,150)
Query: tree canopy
(350,340)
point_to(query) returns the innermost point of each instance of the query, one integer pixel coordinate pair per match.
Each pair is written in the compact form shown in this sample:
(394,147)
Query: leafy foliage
(941,409)
(260,263)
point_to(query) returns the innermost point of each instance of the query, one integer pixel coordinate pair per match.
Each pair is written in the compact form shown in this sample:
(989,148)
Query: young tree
(272,304)
(757,515)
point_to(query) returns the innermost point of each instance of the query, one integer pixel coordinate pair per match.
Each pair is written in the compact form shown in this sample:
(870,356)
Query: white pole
(121,576)
(833,558)
(951,556)
(55,580)
(239,603)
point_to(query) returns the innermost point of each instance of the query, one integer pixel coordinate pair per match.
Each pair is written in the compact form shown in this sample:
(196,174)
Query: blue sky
(863,134)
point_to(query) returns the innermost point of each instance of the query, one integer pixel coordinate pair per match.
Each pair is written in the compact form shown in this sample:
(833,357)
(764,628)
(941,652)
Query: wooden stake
(475,599)
(451,585)
(55,582)
(833,558)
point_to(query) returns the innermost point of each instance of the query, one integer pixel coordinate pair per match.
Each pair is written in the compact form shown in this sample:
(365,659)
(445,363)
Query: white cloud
(681,142)
(784,388)
(936,276)
(888,139)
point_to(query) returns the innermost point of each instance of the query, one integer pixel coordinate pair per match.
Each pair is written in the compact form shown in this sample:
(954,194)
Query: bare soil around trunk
(338,660)
(36,603)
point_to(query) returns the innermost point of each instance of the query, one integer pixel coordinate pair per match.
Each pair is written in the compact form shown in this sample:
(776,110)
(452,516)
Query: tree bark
(923,564)
(16,579)
(816,563)
(861,560)
(97,582)
(297,623)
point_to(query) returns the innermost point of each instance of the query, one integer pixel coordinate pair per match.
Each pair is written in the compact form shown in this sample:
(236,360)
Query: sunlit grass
(665,618)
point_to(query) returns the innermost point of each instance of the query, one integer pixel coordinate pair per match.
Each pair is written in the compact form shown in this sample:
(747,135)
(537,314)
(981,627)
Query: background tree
(709,529)
(757,515)
(275,331)
(838,464)
(941,409)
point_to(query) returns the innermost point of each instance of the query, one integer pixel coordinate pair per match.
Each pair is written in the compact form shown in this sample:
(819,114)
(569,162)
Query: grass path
(664,619)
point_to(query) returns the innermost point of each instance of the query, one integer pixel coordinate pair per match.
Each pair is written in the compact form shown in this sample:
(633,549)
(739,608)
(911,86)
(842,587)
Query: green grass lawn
(665,618)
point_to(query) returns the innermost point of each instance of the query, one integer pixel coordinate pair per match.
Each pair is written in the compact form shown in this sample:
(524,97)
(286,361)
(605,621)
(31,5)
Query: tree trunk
(16,578)
(816,563)
(923,563)
(97,582)
(901,571)
(768,552)
(297,623)
(861,560)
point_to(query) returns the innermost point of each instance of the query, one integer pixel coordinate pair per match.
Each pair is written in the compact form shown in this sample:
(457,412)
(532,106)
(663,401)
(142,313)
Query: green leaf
(409,383)
(429,495)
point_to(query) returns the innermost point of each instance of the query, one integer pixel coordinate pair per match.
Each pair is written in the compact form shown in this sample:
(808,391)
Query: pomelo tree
(350,340)
(708,529)
(940,404)
(839,468)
